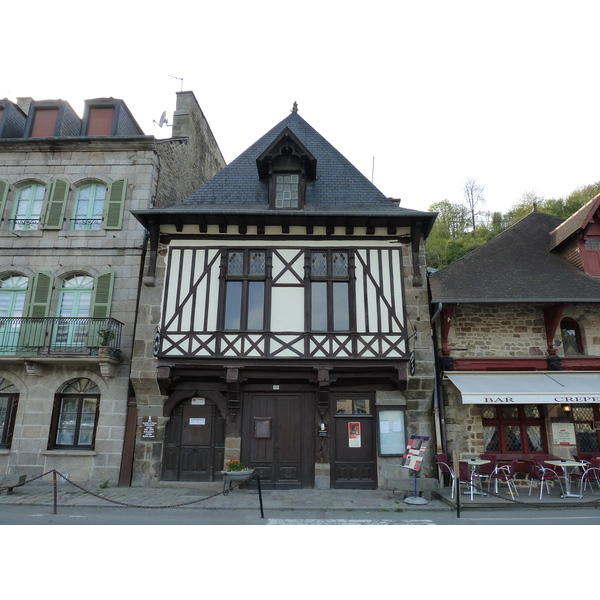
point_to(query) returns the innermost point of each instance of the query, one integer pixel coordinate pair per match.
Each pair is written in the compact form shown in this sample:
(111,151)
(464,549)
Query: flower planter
(230,476)
(237,475)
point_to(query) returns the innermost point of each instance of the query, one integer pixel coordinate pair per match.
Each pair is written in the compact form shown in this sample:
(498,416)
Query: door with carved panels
(194,443)
(278,439)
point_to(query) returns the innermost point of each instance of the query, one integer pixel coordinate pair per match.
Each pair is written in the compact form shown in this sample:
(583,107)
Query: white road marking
(347,522)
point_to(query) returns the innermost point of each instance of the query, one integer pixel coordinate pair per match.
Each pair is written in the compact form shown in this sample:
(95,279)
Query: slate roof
(339,188)
(515,266)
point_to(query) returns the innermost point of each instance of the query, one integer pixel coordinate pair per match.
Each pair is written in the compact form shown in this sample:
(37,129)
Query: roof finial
(295,107)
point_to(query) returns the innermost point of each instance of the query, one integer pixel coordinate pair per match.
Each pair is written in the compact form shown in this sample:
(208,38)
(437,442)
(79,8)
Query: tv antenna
(180,79)
(163,120)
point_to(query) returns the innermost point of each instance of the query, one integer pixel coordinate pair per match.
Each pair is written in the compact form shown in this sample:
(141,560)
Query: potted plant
(104,336)
(236,471)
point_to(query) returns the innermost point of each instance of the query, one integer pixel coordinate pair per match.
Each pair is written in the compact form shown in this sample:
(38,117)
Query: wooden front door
(194,442)
(354,458)
(278,440)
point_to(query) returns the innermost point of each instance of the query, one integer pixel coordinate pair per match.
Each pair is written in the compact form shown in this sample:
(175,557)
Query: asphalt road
(43,515)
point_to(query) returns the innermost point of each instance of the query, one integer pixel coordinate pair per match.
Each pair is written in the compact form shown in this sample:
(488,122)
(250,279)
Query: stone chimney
(24,103)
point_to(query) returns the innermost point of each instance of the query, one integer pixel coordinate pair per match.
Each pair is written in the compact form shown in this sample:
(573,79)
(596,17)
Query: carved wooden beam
(552,317)
(233,392)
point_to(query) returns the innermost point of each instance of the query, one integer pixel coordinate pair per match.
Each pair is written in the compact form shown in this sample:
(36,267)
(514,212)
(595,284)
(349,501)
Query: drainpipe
(438,404)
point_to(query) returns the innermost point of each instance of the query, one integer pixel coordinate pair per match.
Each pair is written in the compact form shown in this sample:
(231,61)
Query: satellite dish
(163,119)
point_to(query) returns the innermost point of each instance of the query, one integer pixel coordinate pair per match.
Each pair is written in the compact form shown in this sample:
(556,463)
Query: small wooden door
(279,441)
(194,441)
(354,454)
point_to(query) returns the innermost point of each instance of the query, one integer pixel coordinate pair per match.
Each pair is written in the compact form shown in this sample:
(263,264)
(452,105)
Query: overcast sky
(419,96)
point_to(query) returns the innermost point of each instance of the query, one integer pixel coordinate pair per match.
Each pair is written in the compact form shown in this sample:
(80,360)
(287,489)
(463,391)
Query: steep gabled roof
(515,266)
(339,186)
(339,193)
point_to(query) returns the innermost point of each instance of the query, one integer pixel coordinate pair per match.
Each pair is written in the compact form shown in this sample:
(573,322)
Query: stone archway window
(571,336)
(75,415)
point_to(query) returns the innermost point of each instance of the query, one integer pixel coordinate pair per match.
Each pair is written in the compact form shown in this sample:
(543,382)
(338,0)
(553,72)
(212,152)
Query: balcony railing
(60,336)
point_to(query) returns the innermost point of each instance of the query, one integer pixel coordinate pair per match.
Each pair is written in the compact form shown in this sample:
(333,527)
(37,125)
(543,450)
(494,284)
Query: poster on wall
(415,451)
(354,435)
(563,434)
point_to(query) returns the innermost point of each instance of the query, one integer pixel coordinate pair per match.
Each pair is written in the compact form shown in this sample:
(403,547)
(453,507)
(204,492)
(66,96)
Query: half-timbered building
(284,298)
(518,338)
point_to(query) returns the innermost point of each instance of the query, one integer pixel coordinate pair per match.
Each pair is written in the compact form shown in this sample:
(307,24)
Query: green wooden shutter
(32,335)
(103,290)
(115,203)
(56,203)
(4,187)
(39,294)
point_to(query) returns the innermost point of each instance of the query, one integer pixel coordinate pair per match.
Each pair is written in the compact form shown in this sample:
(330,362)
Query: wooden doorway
(194,442)
(354,453)
(278,439)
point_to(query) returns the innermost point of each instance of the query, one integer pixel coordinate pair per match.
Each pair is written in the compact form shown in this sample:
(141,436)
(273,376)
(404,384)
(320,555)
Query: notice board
(415,451)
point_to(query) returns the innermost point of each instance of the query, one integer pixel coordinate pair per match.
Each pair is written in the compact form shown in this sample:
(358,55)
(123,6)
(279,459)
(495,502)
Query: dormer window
(286,166)
(287,191)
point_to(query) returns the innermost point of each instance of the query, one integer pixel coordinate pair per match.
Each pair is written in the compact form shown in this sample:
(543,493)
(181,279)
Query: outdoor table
(474,463)
(565,464)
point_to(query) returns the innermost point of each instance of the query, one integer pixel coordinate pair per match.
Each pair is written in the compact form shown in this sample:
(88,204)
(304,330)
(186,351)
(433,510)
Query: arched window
(89,207)
(9,396)
(74,309)
(75,415)
(28,207)
(571,336)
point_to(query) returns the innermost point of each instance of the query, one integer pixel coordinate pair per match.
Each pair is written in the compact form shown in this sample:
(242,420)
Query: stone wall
(190,158)
(515,330)
(418,396)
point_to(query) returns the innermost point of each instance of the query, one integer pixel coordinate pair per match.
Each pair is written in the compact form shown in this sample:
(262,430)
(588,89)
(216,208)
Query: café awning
(540,387)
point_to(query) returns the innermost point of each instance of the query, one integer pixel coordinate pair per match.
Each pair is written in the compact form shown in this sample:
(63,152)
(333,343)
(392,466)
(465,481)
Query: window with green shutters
(28,207)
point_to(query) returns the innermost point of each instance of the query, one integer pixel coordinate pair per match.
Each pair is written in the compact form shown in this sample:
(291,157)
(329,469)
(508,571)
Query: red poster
(354,435)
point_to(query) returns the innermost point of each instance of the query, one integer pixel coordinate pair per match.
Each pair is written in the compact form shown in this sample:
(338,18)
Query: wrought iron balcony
(60,336)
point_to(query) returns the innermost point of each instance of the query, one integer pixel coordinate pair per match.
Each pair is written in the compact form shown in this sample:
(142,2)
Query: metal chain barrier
(232,486)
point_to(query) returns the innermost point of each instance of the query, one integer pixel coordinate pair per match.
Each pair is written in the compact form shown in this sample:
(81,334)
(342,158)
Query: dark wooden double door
(194,443)
(278,439)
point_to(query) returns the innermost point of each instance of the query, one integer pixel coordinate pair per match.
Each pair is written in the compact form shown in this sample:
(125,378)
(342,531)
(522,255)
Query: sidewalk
(211,496)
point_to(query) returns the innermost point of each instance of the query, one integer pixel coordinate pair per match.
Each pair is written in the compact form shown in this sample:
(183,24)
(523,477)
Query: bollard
(55,492)
(262,514)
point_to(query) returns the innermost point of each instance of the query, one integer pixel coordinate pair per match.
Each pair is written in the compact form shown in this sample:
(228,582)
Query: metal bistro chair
(445,469)
(505,473)
(542,475)
(584,475)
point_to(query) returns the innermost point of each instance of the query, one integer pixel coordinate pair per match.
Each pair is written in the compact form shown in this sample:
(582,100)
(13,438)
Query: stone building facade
(70,274)
(517,326)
